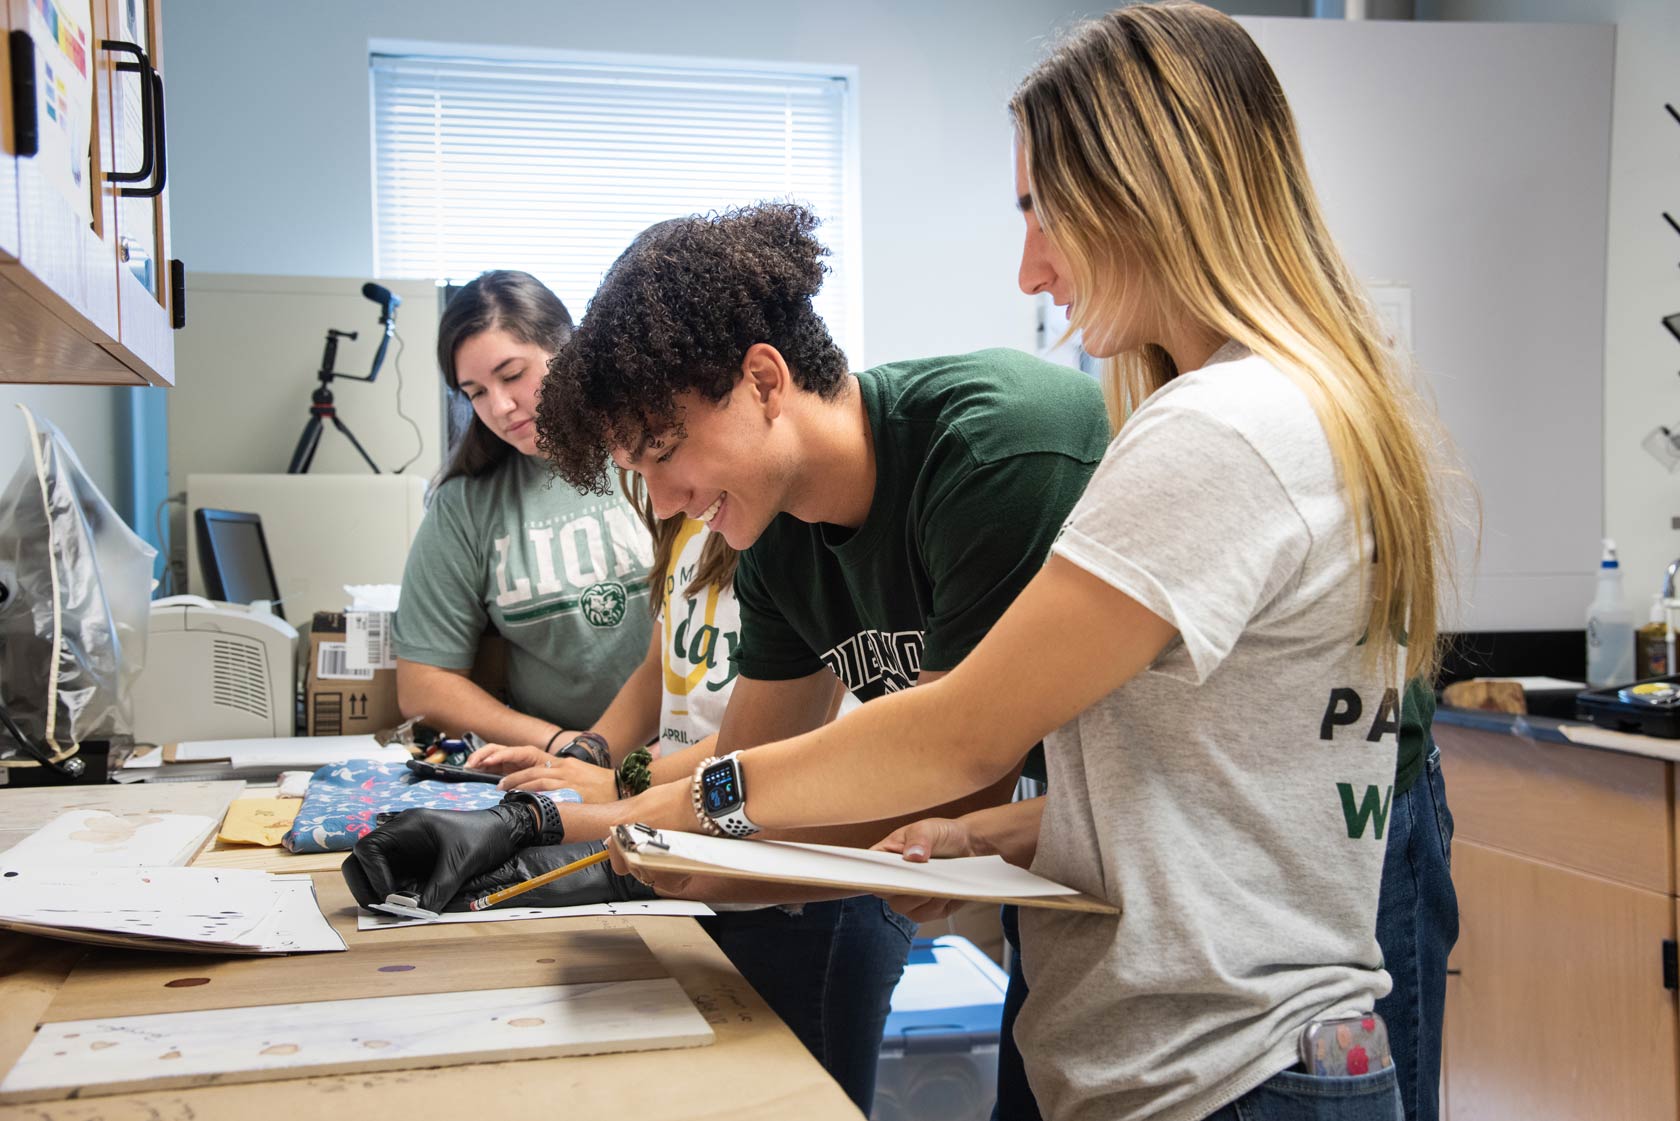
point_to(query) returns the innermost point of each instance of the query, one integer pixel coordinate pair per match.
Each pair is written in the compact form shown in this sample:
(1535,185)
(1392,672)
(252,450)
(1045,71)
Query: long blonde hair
(1157,135)
(717,560)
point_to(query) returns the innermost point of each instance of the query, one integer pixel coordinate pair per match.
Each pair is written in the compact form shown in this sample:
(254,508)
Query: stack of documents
(203,910)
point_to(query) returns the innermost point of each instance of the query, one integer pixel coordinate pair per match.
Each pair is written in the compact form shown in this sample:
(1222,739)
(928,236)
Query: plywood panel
(110,1055)
(22,812)
(31,971)
(119,983)
(1558,1012)
(1599,812)
(269,860)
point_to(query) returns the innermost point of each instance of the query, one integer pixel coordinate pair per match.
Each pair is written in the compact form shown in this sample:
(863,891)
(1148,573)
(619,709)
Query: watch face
(720,788)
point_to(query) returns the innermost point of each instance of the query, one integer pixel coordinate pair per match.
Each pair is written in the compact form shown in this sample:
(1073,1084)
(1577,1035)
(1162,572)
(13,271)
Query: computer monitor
(233,555)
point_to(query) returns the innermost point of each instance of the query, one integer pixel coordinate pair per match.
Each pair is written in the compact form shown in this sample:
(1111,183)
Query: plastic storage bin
(939,1051)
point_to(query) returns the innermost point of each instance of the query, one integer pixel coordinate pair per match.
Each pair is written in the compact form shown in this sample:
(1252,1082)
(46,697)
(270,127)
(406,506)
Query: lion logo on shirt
(603,604)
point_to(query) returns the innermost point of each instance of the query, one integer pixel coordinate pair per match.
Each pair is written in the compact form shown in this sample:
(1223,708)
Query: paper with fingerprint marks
(207,909)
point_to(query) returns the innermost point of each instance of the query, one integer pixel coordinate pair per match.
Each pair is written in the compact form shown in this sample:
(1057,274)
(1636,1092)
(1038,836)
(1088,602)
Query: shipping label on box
(350,685)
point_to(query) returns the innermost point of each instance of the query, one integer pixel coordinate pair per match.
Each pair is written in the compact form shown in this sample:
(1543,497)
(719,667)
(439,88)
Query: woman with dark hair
(563,577)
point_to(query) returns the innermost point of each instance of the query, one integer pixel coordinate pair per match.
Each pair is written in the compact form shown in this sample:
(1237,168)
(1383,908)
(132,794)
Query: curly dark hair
(676,313)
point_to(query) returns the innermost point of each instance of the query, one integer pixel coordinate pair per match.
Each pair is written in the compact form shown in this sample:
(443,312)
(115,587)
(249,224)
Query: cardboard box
(350,681)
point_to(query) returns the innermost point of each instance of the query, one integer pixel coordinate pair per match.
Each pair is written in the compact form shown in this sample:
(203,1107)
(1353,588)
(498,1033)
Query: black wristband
(548,748)
(587,747)
(552,831)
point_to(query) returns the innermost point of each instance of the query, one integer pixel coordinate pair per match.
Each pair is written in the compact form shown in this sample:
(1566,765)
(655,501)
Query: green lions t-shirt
(562,576)
(978,459)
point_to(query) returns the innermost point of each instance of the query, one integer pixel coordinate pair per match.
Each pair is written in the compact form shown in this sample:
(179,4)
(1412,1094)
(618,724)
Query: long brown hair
(717,560)
(1158,134)
(515,302)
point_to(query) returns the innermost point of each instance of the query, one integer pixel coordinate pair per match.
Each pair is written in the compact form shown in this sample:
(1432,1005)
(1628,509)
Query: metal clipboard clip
(636,835)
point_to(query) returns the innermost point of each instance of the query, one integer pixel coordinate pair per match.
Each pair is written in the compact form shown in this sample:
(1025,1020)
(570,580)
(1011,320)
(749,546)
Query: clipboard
(986,879)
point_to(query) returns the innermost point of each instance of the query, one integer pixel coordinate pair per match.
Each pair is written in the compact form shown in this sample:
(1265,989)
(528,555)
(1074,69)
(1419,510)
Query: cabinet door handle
(160,150)
(26,135)
(143,67)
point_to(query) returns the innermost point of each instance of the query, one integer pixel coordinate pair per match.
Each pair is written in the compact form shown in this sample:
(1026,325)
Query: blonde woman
(1213,650)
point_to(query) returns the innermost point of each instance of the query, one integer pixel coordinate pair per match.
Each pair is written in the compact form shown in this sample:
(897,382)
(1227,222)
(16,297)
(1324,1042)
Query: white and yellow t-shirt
(699,635)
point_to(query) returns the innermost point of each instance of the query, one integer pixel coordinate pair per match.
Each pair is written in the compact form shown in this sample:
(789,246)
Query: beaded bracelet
(707,825)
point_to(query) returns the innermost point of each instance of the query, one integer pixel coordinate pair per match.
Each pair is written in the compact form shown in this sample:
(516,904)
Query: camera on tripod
(321,405)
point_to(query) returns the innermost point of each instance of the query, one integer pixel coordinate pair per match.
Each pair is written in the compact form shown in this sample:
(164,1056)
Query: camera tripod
(321,406)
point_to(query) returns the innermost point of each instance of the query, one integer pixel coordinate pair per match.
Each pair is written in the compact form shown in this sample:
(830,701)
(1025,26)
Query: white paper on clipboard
(987,878)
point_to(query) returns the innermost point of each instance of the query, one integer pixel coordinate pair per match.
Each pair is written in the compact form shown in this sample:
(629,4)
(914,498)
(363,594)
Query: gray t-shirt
(1231,799)
(562,576)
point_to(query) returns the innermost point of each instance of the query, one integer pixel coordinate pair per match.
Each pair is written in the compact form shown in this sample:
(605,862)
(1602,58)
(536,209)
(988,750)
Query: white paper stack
(203,910)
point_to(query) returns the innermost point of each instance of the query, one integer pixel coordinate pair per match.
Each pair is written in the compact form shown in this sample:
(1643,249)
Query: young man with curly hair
(886,518)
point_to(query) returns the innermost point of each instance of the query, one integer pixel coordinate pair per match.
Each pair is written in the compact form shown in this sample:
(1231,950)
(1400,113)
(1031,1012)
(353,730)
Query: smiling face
(726,463)
(501,376)
(1119,324)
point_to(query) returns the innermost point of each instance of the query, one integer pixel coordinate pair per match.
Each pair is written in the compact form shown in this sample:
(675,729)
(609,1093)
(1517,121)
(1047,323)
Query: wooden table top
(769,1073)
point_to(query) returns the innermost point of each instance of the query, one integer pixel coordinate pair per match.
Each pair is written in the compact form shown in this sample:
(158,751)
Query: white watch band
(735,823)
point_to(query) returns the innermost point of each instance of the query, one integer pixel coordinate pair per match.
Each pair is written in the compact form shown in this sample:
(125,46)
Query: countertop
(1544,729)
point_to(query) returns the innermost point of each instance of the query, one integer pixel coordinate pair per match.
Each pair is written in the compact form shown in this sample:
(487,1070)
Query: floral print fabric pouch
(344,799)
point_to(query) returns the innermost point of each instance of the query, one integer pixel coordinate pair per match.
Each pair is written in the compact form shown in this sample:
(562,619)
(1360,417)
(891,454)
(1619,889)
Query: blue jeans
(1015,1101)
(1417,924)
(1292,1096)
(829,973)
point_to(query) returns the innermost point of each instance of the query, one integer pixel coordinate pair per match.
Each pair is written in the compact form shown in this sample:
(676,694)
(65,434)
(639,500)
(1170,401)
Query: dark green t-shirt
(1417,713)
(978,459)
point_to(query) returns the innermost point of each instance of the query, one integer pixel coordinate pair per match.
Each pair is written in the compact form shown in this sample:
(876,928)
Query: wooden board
(133,983)
(22,812)
(109,1055)
(104,839)
(261,859)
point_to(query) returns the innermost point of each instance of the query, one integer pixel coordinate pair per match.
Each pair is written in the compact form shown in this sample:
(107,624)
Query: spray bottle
(1609,626)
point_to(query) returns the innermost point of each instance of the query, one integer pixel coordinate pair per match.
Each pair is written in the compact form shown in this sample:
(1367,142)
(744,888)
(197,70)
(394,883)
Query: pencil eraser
(405,905)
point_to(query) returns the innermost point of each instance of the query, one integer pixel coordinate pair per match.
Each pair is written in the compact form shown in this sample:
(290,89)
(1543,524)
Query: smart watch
(723,795)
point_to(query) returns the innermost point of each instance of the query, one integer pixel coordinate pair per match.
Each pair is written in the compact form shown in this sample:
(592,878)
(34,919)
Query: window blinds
(553,167)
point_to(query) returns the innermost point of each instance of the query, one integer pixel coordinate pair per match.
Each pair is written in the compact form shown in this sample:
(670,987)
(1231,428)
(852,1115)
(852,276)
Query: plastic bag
(75,590)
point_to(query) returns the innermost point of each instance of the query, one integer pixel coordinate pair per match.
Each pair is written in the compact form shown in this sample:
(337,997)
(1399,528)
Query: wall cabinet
(1558,1007)
(87,290)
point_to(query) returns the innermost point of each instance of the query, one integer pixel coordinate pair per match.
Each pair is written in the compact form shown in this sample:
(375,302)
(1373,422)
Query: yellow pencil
(507,893)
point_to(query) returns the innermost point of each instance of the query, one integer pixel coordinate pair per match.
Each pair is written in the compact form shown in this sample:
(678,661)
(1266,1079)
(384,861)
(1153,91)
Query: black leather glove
(433,852)
(599,884)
